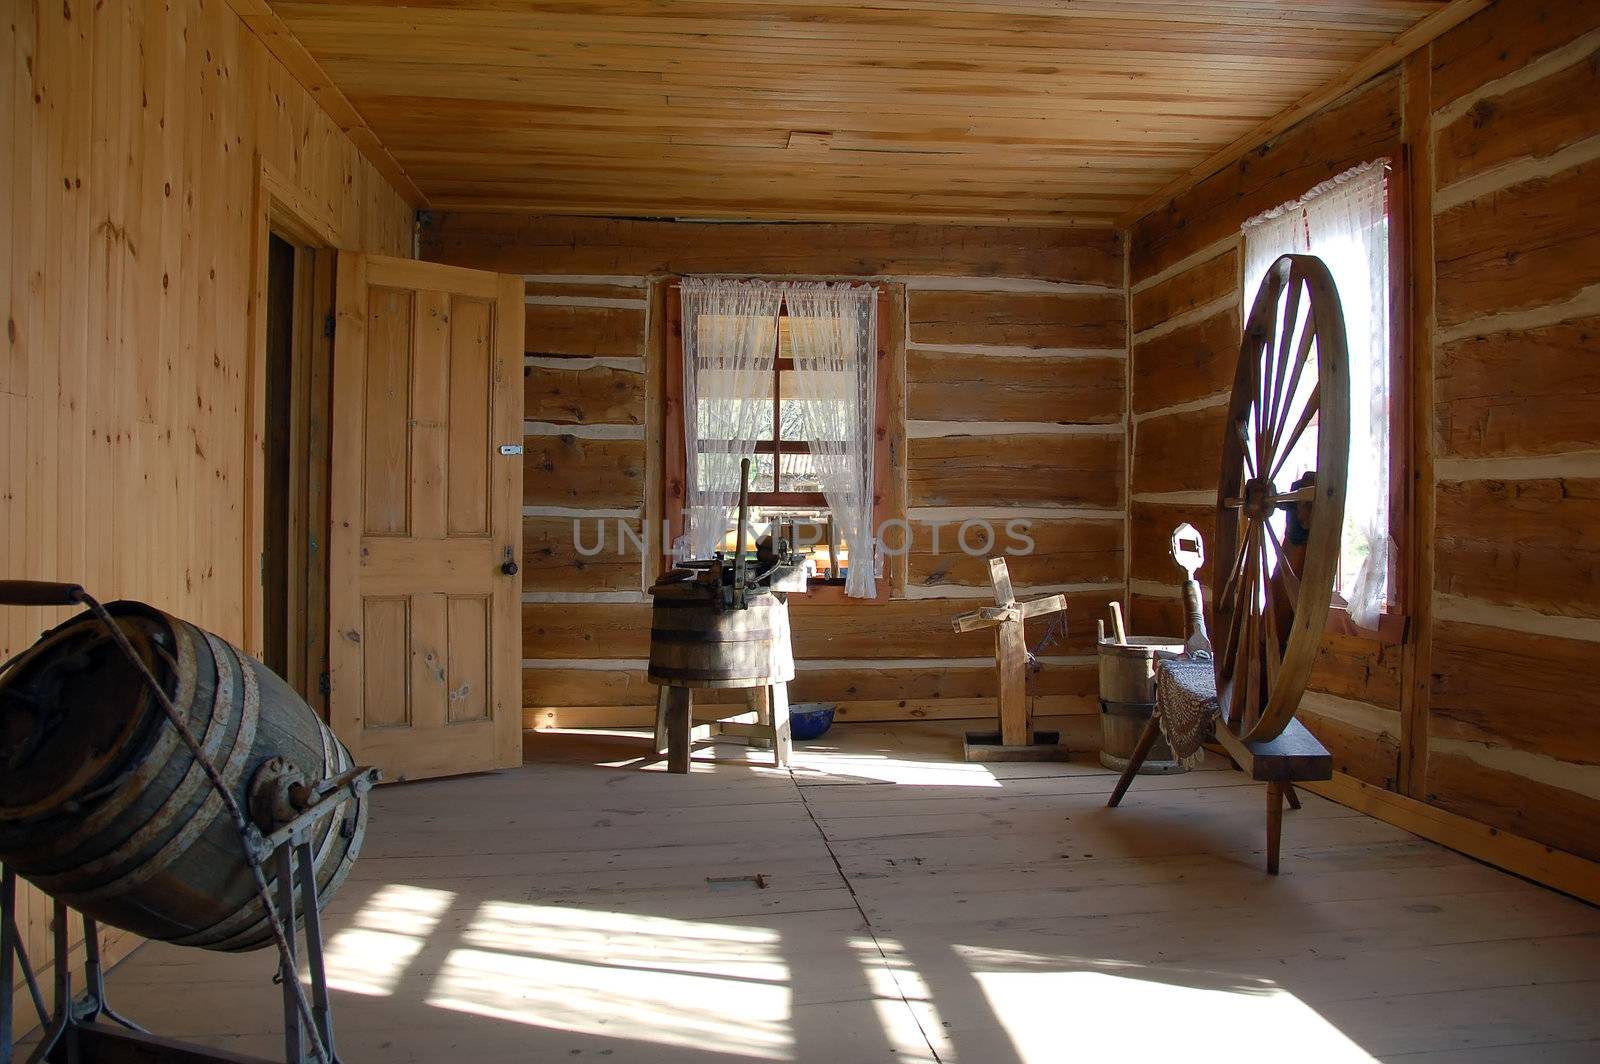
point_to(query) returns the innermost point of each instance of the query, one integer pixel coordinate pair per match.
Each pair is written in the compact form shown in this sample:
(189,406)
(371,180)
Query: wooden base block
(986,746)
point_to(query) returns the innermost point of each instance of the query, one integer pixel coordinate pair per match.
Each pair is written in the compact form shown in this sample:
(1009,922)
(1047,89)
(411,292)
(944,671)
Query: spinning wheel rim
(1264,659)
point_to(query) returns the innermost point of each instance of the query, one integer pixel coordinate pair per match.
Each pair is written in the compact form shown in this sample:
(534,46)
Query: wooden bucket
(1128,697)
(104,807)
(696,643)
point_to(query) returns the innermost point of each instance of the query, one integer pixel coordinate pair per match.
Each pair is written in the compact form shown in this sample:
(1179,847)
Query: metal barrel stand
(71,1031)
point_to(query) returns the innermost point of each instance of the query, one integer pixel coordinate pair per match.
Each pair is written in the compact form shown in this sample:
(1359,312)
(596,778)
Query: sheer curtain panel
(833,329)
(730,335)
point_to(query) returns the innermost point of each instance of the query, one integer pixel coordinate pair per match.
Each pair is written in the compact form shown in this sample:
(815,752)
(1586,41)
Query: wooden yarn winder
(1279,549)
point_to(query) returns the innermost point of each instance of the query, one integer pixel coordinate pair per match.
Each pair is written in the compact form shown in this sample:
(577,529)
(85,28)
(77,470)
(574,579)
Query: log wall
(1010,403)
(135,132)
(1482,710)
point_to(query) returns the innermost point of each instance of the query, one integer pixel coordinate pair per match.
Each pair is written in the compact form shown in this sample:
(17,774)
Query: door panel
(426,627)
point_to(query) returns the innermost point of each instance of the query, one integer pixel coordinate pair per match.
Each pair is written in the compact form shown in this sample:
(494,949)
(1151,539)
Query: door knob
(509,566)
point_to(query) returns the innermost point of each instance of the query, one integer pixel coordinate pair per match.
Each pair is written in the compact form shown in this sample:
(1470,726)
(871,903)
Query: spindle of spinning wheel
(1279,516)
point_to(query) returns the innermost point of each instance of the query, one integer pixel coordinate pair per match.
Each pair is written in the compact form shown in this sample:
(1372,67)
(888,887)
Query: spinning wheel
(1280,507)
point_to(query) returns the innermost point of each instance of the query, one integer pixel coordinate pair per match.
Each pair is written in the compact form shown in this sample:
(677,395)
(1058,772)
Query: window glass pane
(799,473)
(720,415)
(760,468)
(806,528)
(802,415)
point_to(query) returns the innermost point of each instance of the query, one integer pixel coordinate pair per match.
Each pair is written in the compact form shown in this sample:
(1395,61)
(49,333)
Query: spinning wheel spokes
(1281,502)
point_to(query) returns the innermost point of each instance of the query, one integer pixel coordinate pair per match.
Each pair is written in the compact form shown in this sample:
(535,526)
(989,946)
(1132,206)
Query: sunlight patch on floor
(896,984)
(821,765)
(716,988)
(371,955)
(1105,1006)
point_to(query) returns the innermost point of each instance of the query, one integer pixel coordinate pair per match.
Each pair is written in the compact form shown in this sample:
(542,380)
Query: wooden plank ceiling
(948,110)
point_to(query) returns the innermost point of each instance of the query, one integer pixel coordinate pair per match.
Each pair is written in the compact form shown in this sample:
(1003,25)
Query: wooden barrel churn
(1128,697)
(103,806)
(695,642)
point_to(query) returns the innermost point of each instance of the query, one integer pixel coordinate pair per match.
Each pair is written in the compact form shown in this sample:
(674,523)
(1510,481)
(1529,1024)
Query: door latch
(510,448)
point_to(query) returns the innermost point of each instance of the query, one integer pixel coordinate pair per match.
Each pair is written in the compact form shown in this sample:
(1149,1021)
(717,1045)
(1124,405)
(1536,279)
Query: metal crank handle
(39,593)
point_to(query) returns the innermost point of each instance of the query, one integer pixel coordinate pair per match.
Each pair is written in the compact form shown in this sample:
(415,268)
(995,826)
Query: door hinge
(323,685)
(510,448)
(327,326)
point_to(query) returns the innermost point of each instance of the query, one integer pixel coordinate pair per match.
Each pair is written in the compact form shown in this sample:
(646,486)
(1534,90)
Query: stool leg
(762,704)
(1147,739)
(1290,793)
(1274,824)
(680,728)
(778,705)
(660,745)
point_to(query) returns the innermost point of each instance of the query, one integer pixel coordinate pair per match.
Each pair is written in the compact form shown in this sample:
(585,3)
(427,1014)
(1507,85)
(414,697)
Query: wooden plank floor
(914,909)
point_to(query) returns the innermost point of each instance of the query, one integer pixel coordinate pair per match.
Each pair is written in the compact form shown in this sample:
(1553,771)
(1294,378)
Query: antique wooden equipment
(158,780)
(1016,740)
(724,623)
(1128,699)
(1279,547)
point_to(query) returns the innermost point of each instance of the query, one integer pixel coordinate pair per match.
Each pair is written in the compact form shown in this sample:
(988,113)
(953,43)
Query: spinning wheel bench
(1293,756)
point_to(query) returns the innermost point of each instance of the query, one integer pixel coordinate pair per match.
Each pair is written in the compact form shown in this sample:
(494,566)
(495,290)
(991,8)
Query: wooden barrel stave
(156,853)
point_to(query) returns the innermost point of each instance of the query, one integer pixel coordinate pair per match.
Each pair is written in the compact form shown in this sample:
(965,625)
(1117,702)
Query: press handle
(39,593)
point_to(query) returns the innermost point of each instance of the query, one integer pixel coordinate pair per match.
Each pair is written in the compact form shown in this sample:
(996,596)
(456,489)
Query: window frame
(674,483)
(1393,622)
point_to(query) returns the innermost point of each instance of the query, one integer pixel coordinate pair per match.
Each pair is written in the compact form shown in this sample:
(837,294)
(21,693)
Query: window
(788,374)
(1348,223)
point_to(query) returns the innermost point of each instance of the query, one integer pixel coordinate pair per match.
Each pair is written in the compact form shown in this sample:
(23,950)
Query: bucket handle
(39,593)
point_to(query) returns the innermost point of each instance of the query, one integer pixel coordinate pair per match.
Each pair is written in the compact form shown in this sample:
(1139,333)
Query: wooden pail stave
(104,807)
(696,643)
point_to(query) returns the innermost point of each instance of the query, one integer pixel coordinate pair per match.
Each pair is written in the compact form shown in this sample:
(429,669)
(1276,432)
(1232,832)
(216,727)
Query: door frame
(281,208)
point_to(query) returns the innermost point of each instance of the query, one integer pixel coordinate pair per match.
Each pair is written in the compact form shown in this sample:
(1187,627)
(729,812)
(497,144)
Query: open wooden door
(424,612)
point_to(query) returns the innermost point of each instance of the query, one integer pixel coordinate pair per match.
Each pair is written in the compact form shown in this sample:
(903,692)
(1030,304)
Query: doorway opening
(297,394)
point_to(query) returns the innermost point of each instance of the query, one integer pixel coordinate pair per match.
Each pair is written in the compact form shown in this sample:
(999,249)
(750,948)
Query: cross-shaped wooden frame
(1007,617)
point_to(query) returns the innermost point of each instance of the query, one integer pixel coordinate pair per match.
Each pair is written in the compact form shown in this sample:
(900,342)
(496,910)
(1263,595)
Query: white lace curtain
(1344,221)
(833,329)
(730,338)
(730,331)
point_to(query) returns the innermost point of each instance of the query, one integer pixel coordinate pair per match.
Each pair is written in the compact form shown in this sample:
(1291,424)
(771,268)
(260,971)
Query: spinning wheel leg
(1291,794)
(1147,739)
(1274,824)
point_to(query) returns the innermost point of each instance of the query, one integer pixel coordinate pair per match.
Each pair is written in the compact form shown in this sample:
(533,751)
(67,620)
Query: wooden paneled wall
(1486,709)
(135,131)
(1012,399)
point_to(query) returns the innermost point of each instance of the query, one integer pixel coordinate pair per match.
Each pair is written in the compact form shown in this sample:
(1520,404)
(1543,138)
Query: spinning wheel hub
(1260,499)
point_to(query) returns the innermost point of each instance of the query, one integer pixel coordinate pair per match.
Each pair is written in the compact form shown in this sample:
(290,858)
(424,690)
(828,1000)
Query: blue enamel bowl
(809,720)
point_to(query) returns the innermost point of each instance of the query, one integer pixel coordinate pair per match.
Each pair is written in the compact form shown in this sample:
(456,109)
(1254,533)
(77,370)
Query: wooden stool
(675,722)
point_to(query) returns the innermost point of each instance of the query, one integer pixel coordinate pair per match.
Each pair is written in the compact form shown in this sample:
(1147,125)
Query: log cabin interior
(401,358)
